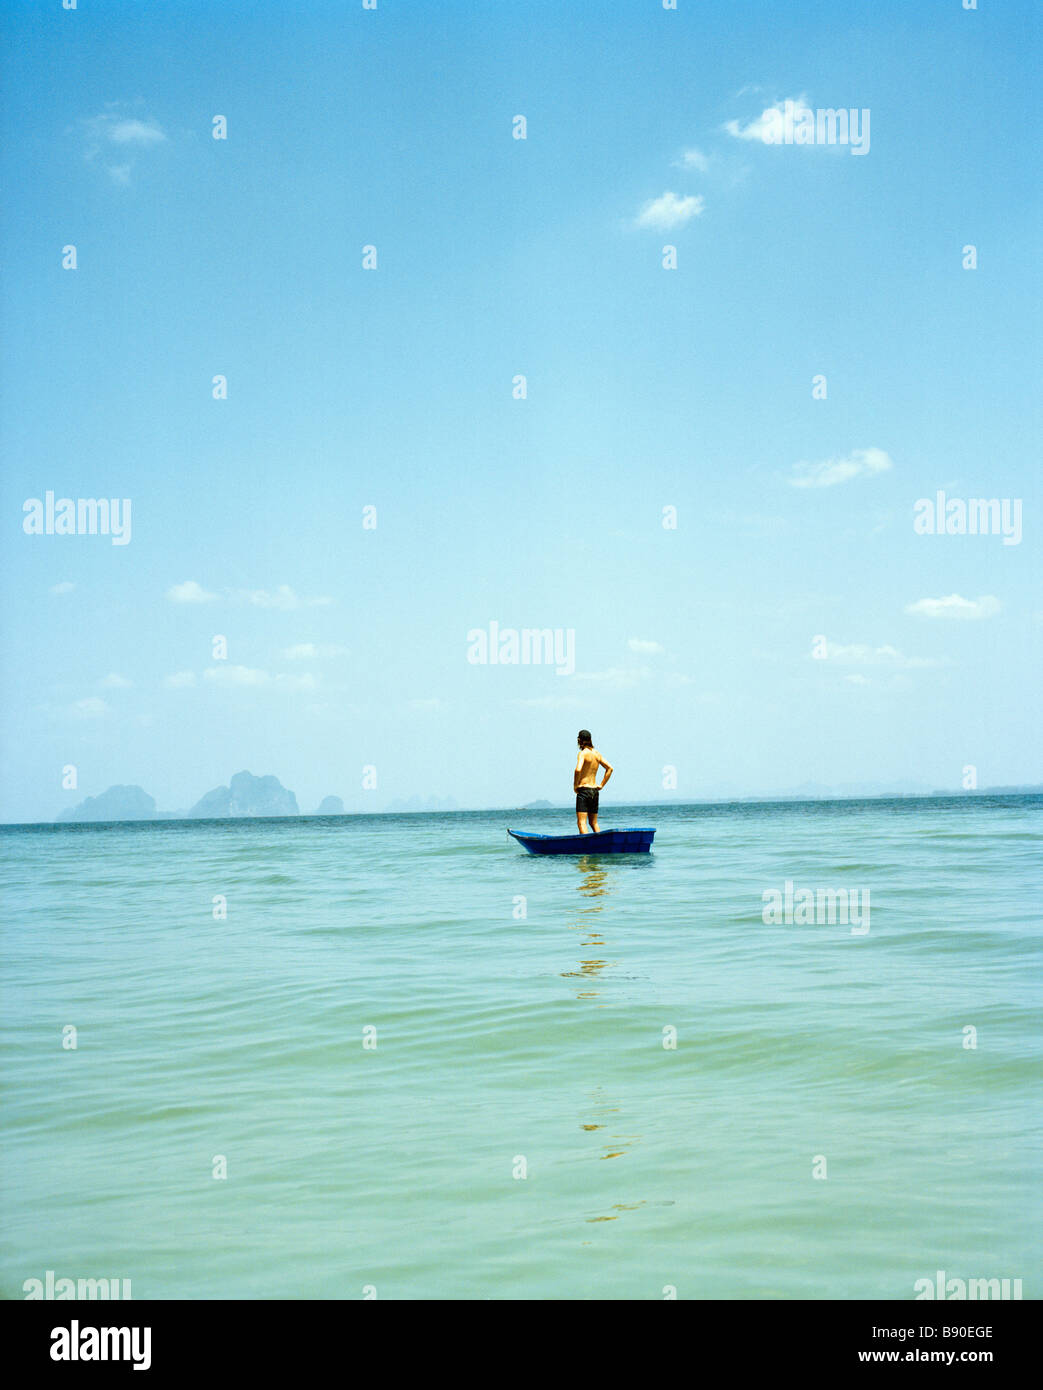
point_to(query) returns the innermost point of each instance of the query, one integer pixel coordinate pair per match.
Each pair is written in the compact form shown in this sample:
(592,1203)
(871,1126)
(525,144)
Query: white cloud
(693,159)
(282,598)
(236,675)
(115,682)
(669,211)
(639,644)
(63,588)
(427,706)
(189,592)
(132,132)
(955,607)
(841,470)
(861,654)
(248,677)
(626,677)
(773,118)
(302,682)
(550,702)
(856,679)
(126,133)
(179,680)
(308,651)
(616,677)
(91,708)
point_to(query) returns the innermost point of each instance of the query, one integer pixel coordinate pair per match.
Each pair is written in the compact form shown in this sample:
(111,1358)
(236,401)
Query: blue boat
(604,842)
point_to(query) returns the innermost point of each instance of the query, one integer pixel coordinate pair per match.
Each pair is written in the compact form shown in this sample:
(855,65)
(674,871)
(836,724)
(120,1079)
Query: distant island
(992,791)
(249,796)
(118,803)
(245,795)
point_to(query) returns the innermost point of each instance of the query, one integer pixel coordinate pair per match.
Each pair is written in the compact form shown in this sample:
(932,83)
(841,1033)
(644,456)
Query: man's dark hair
(584,740)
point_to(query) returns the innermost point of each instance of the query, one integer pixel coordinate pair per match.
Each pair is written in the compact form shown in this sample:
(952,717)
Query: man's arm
(575,775)
(608,770)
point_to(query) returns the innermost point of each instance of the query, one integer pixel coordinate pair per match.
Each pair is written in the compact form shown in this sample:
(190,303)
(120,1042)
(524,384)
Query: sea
(397,1057)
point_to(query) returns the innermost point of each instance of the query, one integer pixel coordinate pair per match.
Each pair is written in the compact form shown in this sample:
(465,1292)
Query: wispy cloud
(179,680)
(249,677)
(647,648)
(955,607)
(63,588)
(861,654)
(189,592)
(549,702)
(840,470)
(309,651)
(693,159)
(236,675)
(113,681)
(91,708)
(282,598)
(132,132)
(616,677)
(669,211)
(114,130)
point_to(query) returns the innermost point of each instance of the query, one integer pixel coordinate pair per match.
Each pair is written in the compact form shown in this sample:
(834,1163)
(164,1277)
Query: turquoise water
(502,1038)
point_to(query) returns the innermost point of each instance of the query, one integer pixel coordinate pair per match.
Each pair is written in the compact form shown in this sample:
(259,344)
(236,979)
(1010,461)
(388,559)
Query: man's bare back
(585,783)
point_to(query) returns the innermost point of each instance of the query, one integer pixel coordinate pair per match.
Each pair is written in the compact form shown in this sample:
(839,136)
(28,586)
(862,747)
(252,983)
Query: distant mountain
(330,806)
(118,803)
(843,791)
(990,791)
(538,806)
(246,795)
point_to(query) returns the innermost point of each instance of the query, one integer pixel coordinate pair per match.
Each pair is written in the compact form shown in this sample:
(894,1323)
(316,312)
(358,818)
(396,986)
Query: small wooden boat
(604,842)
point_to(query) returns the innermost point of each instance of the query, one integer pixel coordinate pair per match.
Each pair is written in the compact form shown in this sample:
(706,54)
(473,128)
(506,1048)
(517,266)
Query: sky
(745,362)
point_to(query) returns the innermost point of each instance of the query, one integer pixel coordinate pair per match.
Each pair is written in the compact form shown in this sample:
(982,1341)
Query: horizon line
(1028,789)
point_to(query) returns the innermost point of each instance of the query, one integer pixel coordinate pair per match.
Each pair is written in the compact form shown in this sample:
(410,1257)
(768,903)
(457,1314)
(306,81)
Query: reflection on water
(602,1115)
(598,1118)
(596,883)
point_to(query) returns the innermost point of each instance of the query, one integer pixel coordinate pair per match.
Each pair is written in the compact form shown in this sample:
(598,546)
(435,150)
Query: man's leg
(581,821)
(594,823)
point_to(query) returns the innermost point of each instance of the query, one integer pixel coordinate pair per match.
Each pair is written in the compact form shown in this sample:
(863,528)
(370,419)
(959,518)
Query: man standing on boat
(585,782)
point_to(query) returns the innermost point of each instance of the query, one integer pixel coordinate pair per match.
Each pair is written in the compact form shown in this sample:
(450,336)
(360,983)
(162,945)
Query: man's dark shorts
(587,801)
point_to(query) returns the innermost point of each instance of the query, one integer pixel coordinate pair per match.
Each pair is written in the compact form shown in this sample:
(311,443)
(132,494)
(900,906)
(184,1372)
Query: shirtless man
(585,782)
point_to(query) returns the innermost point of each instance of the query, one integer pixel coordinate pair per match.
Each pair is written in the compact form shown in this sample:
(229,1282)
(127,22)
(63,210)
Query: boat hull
(631,841)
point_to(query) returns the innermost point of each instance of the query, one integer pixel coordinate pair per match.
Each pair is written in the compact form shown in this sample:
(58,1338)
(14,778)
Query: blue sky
(647,388)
